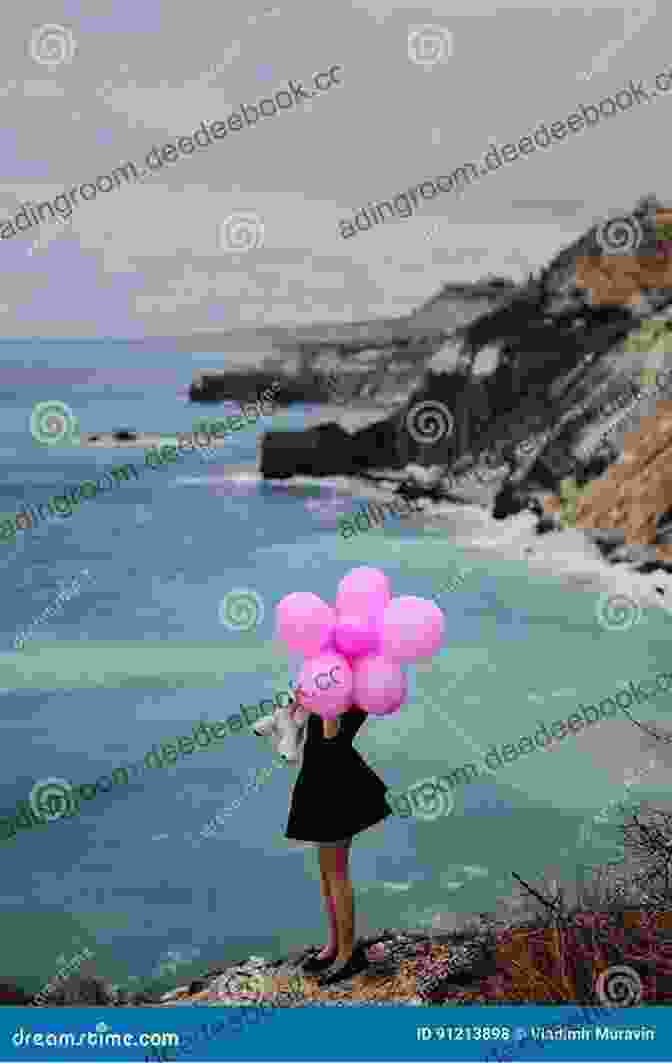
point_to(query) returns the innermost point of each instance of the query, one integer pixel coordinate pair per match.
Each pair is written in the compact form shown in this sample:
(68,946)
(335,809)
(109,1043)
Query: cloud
(176,109)
(42,88)
(444,12)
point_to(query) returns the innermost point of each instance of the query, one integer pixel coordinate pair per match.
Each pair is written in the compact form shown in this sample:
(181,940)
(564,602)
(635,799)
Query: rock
(78,990)
(13,995)
(509,501)
(326,450)
(664,535)
(197,986)
(606,539)
(547,523)
(634,554)
(179,992)
(550,346)
(663,520)
(634,493)
(246,386)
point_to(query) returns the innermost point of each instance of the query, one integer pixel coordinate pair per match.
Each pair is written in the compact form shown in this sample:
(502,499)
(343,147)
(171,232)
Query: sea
(147,648)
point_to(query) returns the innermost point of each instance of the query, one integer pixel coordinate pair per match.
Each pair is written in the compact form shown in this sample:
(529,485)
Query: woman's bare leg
(334,862)
(331,948)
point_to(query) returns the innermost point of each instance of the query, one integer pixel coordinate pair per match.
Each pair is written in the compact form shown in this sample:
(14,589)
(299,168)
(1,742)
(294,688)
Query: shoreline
(466,519)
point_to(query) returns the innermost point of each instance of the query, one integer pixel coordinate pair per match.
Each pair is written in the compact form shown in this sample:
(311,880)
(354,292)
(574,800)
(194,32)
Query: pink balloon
(362,592)
(379,685)
(355,636)
(412,628)
(325,684)
(304,622)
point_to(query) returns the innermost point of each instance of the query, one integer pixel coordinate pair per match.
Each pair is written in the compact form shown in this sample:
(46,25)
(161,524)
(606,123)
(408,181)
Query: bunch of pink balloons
(358,645)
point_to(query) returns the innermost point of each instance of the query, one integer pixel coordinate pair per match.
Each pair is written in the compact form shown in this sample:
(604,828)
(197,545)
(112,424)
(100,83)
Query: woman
(336,795)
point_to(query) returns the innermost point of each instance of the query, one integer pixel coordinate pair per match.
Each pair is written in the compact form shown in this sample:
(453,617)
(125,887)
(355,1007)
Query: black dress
(336,793)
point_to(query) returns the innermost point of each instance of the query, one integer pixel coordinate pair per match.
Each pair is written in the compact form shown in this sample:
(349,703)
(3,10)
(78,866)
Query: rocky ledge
(487,961)
(490,963)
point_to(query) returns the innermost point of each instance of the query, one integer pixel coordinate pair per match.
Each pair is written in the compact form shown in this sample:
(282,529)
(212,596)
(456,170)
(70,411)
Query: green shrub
(654,337)
(569,493)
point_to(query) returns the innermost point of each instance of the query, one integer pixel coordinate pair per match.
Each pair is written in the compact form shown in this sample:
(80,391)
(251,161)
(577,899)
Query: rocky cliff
(377,361)
(538,382)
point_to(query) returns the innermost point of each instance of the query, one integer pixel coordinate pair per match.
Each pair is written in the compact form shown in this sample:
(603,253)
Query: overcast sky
(146,258)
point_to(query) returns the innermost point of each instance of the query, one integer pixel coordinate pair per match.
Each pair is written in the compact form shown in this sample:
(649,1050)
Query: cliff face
(635,494)
(377,361)
(543,381)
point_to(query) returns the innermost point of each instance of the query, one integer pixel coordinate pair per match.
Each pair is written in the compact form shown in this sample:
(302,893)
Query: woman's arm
(330,728)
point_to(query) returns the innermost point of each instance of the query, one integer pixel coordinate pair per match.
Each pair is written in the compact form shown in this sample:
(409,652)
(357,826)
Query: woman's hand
(330,728)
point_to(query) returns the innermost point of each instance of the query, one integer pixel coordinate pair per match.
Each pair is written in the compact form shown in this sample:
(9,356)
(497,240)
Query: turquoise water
(140,655)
